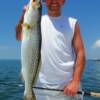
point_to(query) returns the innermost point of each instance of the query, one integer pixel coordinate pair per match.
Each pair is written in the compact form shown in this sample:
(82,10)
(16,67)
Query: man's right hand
(19,25)
(18,31)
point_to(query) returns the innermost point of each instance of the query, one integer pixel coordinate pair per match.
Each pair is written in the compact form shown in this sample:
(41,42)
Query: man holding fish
(62,52)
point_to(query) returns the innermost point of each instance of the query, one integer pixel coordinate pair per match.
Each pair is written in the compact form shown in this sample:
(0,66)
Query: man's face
(54,4)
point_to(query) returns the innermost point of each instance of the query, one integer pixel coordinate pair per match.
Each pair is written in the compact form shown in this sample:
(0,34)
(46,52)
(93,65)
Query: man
(62,52)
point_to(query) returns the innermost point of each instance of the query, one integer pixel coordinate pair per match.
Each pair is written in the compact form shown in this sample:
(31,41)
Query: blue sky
(86,11)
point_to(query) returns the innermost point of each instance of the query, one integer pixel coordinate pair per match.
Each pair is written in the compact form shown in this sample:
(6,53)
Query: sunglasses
(61,2)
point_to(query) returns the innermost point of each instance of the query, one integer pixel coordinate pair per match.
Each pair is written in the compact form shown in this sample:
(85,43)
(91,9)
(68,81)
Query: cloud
(96,44)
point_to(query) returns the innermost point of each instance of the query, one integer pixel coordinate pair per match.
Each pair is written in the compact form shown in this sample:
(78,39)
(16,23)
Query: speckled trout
(30,47)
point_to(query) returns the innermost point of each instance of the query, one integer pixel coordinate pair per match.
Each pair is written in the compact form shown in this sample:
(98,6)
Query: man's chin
(54,9)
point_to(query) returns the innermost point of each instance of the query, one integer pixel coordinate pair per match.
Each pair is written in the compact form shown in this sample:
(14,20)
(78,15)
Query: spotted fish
(31,47)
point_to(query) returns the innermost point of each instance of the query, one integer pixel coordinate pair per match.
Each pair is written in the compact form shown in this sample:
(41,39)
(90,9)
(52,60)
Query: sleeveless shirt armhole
(73,22)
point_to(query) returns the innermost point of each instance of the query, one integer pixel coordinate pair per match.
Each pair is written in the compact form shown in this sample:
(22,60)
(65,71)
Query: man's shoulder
(72,18)
(69,18)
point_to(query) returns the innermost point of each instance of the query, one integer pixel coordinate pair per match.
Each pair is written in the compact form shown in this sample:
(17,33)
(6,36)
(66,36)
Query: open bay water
(10,88)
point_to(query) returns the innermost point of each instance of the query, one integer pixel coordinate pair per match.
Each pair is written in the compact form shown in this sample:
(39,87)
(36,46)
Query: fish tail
(30,97)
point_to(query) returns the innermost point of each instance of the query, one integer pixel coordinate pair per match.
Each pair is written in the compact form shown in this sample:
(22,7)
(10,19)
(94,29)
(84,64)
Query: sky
(87,13)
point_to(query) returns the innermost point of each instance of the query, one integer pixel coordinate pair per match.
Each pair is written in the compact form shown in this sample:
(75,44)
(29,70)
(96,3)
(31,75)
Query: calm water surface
(9,79)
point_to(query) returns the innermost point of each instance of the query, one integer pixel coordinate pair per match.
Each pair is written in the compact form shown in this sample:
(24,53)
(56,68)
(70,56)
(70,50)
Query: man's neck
(54,14)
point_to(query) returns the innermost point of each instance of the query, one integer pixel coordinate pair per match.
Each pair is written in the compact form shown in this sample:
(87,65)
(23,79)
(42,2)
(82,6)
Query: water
(9,79)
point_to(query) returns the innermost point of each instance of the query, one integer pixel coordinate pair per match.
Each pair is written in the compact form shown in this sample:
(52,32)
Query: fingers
(70,91)
(71,88)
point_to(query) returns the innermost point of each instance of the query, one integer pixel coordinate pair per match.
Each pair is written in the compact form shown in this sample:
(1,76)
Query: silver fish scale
(30,49)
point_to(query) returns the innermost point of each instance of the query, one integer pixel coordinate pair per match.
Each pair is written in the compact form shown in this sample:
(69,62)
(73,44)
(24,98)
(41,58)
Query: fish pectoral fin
(27,26)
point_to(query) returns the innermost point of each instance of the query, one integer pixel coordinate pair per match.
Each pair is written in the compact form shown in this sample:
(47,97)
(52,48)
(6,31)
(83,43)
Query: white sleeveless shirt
(57,53)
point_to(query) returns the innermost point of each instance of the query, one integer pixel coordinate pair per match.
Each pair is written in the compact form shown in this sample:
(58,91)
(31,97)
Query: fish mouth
(36,0)
(36,3)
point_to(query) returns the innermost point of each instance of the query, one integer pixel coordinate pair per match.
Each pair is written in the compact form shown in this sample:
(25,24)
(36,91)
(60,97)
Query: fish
(31,48)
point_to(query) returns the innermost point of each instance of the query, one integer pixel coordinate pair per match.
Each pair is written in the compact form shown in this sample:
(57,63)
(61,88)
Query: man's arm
(80,54)
(19,25)
(73,86)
